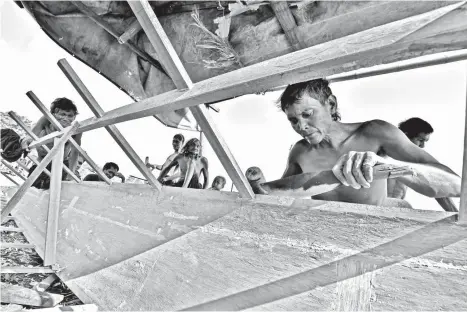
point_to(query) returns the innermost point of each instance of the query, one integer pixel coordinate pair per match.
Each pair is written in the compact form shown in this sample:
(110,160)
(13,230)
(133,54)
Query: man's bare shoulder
(298,148)
(376,128)
(204,161)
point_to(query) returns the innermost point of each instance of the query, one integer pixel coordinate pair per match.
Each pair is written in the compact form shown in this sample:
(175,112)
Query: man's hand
(355,169)
(255,178)
(25,143)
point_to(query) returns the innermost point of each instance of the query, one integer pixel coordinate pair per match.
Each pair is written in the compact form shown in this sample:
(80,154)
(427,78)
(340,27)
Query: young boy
(218,183)
(110,169)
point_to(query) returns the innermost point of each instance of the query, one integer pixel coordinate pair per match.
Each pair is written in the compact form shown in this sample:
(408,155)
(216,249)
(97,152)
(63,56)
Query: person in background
(110,169)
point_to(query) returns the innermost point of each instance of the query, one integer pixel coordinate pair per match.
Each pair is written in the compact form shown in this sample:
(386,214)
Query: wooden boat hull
(128,247)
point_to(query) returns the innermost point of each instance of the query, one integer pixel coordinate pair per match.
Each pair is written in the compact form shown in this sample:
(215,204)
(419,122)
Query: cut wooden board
(21,295)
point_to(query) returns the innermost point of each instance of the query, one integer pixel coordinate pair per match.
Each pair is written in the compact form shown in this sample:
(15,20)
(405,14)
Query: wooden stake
(181,79)
(35,174)
(21,295)
(463,201)
(57,125)
(15,171)
(287,21)
(9,178)
(44,284)
(24,270)
(54,207)
(112,129)
(20,123)
(16,245)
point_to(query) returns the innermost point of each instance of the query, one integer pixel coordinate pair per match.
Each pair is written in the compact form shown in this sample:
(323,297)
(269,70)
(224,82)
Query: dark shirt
(93,177)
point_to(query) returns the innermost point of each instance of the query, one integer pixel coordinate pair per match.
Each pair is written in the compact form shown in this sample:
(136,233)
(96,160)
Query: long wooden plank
(22,295)
(35,174)
(10,229)
(364,49)
(181,79)
(20,123)
(34,160)
(131,31)
(54,207)
(112,129)
(9,178)
(463,202)
(57,125)
(45,139)
(287,21)
(16,245)
(25,270)
(15,171)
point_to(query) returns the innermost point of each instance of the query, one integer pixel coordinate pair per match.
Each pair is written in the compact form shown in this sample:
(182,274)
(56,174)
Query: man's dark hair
(179,137)
(414,126)
(318,89)
(63,104)
(110,165)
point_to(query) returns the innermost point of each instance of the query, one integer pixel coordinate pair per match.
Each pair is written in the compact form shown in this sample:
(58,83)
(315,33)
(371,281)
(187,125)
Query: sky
(256,131)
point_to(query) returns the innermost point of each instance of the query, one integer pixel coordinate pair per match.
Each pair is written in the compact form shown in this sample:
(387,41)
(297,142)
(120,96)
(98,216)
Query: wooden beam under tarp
(287,21)
(181,79)
(391,42)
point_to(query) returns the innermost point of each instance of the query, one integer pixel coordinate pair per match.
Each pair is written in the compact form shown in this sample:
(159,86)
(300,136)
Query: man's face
(194,147)
(309,118)
(176,144)
(218,185)
(110,173)
(65,118)
(421,139)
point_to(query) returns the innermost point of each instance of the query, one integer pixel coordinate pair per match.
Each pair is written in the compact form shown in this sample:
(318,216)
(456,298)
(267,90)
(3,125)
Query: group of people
(350,150)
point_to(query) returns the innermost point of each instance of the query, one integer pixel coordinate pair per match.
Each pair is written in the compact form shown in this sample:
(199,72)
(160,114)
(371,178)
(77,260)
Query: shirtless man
(177,143)
(110,169)
(191,165)
(218,183)
(65,112)
(418,131)
(351,150)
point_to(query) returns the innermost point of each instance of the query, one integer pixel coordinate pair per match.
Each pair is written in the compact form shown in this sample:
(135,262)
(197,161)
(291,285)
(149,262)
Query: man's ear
(332,101)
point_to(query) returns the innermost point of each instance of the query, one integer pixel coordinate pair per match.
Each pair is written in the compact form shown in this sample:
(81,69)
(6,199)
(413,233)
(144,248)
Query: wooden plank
(20,123)
(21,295)
(45,139)
(54,207)
(25,270)
(131,31)
(15,171)
(16,245)
(75,308)
(34,160)
(10,229)
(57,125)
(35,174)
(45,283)
(113,131)
(287,21)
(9,178)
(102,23)
(364,49)
(181,79)
(9,218)
(463,201)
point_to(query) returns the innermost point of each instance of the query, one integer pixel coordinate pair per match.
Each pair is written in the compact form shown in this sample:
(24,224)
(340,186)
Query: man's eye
(307,114)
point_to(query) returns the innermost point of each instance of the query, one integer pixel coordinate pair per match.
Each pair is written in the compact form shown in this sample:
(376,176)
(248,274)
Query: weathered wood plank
(10,229)
(364,49)
(35,137)
(181,79)
(287,21)
(57,125)
(9,178)
(34,160)
(54,207)
(45,283)
(34,175)
(25,270)
(75,308)
(45,139)
(113,131)
(16,245)
(463,202)
(16,172)
(21,295)
(131,31)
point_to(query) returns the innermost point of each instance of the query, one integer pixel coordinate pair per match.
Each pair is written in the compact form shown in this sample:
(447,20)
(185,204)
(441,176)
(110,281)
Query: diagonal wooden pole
(173,65)
(57,125)
(463,202)
(6,164)
(9,178)
(112,129)
(35,174)
(29,132)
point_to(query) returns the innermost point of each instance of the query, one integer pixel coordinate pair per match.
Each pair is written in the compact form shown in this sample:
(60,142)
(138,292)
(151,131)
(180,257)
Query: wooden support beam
(14,200)
(24,270)
(74,308)
(112,129)
(131,31)
(20,123)
(16,245)
(45,139)
(34,160)
(10,229)
(54,207)
(463,201)
(22,295)
(102,23)
(15,171)
(9,178)
(45,283)
(9,218)
(181,79)
(364,49)
(287,21)
(57,125)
